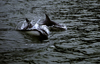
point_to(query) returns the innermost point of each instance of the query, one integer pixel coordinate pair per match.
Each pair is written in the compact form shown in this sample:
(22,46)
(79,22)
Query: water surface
(80,44)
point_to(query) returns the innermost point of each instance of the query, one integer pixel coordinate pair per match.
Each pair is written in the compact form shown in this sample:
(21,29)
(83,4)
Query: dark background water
(80,44)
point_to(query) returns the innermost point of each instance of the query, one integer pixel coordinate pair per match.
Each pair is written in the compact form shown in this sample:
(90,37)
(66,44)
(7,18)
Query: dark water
(80,44)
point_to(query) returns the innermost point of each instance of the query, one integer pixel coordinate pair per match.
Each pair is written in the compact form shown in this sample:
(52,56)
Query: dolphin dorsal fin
(47,18)
(27,20)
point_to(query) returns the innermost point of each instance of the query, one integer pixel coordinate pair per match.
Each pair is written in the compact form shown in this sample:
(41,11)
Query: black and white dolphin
(34,29)
(53,25)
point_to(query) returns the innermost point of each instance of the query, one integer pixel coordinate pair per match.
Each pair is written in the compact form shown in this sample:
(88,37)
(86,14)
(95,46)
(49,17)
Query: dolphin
(48,22)
(53,25)
(34,30)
